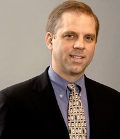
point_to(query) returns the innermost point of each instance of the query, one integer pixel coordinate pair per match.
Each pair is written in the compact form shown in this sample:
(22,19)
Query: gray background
(23,53)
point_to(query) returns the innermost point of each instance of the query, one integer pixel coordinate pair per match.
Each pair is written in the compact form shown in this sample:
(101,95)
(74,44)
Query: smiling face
(73,45)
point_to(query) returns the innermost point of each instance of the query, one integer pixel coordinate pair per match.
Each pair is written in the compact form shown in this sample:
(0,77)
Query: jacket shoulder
(97,86)
(30,85)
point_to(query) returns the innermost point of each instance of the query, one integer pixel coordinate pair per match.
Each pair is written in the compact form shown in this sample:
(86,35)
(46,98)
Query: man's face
(73,45)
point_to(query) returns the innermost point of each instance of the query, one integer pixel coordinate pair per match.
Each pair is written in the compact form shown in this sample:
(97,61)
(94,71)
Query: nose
(79,44)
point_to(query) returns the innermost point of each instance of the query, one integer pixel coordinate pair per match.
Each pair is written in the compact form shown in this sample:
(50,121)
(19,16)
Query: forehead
(76,22)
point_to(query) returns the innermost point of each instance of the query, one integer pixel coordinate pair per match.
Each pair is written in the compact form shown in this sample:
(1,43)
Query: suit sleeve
(2,112)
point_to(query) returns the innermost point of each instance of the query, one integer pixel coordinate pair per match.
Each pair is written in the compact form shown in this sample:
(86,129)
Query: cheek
(62,49)
(91,51)
(57,51)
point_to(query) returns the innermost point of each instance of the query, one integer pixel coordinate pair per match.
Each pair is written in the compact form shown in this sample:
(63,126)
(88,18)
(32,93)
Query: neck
(70,77)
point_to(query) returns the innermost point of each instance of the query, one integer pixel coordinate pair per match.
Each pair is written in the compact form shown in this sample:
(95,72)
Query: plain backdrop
(23,53)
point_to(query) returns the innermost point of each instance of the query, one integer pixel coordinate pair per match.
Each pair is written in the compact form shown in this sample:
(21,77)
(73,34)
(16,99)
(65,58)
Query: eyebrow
(91,34)
(69,32)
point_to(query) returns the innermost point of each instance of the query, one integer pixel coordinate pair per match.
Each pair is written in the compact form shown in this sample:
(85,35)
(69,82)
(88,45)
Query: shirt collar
(58,80)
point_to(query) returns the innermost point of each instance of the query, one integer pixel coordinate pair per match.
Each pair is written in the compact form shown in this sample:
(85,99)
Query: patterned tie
(76,116)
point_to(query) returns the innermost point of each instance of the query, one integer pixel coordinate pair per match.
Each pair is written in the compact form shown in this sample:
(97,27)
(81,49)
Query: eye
(89,38)
(70,36)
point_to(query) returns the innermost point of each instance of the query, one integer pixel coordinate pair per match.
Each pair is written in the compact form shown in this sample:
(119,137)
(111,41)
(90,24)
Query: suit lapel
(54,119)
(99,110)
(93,106)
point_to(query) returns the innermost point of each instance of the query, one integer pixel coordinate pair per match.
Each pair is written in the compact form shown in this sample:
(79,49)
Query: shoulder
(28,86)
(94,86)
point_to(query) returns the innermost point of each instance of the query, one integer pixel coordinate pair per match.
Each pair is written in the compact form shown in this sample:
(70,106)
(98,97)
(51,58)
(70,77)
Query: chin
(77,71)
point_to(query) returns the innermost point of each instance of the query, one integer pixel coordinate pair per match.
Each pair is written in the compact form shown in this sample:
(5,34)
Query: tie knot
(71,86)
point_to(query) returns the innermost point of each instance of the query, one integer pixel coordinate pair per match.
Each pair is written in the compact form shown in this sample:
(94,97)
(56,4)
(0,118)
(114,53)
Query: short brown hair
(69,5)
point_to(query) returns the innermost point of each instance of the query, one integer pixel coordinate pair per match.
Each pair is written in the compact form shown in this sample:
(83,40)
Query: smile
(77,58)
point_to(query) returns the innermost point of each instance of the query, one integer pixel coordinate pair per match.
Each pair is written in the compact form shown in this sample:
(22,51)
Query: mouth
(77,58)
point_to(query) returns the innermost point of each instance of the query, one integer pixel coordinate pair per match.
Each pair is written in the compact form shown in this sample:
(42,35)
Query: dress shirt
(62,95)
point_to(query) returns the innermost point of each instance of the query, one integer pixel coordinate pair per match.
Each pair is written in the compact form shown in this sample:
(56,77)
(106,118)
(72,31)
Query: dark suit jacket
(30,110)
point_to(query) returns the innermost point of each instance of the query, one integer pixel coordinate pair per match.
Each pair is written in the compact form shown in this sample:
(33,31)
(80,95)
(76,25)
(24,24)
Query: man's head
(71,37)
(69,6)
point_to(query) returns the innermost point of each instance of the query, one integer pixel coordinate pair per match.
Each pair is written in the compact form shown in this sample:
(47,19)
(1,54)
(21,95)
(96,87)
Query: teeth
(78,57)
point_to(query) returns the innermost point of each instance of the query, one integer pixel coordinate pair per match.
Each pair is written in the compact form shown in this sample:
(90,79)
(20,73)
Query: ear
(48,40)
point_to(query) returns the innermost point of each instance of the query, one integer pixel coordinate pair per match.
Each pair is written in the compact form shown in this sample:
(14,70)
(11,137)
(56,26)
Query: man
(37,108)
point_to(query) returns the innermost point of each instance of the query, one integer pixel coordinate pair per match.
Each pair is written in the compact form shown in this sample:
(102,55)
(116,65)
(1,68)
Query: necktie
(76,116)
